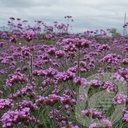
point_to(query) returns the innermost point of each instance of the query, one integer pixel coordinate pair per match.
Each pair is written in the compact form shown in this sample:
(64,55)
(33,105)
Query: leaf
(116,116)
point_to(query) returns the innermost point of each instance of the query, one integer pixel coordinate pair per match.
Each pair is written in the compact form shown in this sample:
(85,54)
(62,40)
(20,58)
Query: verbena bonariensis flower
(84,67)
(4,61)
(66,99)
(25,52)
(50,72)
(48,36)
(10,118)
(73,126)
(104,47)
(125,61)
(27,104)
(2,72)
(13,38)
(51,51)
(104,123)
(78,42)
(5,103)
(125,117)
(70,47)
(121,75)
(82,43)
(12,65)
(51,99)
(55,114)
(61,120)
(111,59)
(120,98)
(95,83)
(48,82)
(25,91)
(125,25)
(4,35)
(64,76)
(124,73)
(28,35)
(17,77)
(2,44)
(109,86)
(59,54)
(12,18)
(95,114)
(80,81)
(93,125)
(27,88)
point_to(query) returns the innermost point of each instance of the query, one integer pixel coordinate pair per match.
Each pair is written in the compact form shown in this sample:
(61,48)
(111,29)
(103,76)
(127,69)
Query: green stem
(78,61)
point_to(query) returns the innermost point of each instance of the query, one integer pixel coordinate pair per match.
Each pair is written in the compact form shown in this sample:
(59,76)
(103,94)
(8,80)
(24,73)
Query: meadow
(52,79)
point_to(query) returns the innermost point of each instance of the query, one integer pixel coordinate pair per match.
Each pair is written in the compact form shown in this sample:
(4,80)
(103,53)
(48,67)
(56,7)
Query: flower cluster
(66,99)
(5,103)
(13,39)
(10,118)
(28,35)
(103,123)
(48,100)
(17,77)
(25,52)
(95,114)
(109,86)
(120,99)
(111,59)
(27,104)
(80,81)
(95,83)
(125,118)
(26,91)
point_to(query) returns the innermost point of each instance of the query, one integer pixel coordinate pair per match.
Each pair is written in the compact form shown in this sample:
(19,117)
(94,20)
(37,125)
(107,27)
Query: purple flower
(109,86)
(93,125)
(27,104)
(5,103)
(66,99)
(10,118)
(93,113)
(25,52)
(120,98)
(17,77)
(28,35)
(125,61)
(111,59)
(125,118)
(51,99)
(95,83)
(80,81)
(59,54)
(104,123)
(13,38)
(12,18)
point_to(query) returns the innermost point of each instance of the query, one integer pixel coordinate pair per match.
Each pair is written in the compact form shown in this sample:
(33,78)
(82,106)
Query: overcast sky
(87,14)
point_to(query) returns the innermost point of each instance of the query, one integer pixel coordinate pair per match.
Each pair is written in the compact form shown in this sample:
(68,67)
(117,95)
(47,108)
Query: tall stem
(78,62)
(31,69)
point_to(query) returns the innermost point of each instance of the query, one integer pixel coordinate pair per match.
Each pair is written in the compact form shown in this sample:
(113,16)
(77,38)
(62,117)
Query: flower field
(52,79)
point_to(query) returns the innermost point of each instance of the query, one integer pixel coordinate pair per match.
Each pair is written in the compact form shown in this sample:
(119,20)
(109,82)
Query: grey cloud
(26,3)
(87,14)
